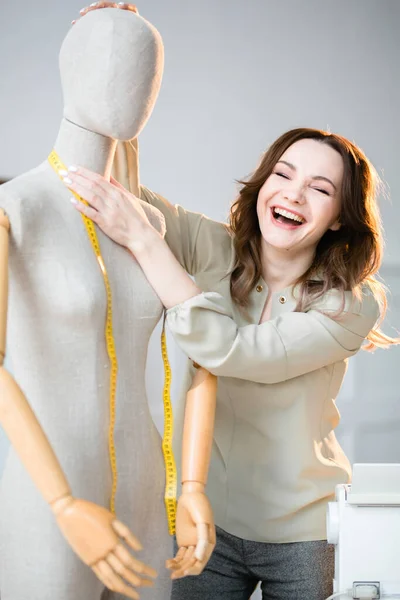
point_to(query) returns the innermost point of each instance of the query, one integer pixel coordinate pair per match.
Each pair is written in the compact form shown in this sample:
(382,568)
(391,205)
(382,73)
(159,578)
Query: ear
(335,226)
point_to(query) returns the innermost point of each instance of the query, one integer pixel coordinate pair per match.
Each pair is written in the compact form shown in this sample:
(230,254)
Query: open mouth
(286,217)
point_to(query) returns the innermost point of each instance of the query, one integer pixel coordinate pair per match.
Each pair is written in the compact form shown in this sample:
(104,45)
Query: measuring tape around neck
(170,466)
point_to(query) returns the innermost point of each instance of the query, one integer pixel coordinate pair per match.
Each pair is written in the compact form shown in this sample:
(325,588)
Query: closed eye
(281,175)
(322,191)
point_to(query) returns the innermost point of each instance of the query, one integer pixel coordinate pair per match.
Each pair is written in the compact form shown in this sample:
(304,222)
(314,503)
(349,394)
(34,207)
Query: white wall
(237,75)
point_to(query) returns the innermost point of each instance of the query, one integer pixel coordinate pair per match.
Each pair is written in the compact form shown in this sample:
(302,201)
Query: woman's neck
(281,268)
(78,146)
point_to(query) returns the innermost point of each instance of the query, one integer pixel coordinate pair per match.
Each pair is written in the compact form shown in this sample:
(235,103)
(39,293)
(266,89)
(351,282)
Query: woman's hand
(96,5)
(121,216)
(97,538)
(195,532)
(116,211)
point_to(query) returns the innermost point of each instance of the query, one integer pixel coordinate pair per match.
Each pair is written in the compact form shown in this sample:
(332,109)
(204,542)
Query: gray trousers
(296,571)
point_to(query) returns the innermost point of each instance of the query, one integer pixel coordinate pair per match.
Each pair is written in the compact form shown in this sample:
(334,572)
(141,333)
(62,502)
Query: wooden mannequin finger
(180,573)
(203,540)
(180,554)
(189,554)
(201,550)
(126,573)
(186,567)
(123,531)
(104,573)
(132,563)
(174,563)
(115,583)
(187,562)
(99,576)
(195,569)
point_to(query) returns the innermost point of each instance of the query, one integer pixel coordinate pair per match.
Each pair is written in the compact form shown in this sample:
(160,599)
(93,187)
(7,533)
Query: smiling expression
(300,200)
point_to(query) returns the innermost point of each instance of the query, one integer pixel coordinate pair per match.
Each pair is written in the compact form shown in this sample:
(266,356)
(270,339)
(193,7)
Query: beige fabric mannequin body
(111,65)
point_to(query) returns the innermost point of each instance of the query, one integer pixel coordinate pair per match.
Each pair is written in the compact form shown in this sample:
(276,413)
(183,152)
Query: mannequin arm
(195,530)
(92,531)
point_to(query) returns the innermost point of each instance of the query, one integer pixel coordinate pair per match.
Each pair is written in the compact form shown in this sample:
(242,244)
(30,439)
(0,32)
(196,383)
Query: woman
(282,297)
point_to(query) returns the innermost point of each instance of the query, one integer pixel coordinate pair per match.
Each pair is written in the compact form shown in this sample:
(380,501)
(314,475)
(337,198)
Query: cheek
(325,214)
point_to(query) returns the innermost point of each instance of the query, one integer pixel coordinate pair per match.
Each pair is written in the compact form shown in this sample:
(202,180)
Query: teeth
(288,215)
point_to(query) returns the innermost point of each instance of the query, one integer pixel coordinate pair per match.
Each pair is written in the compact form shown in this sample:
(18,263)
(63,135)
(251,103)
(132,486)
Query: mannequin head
(111,64)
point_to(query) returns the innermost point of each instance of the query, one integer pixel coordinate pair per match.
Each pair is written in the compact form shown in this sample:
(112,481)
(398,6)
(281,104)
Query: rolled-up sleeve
(287,346)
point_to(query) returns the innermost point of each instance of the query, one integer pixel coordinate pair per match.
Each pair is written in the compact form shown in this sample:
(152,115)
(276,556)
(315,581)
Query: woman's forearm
(166,276)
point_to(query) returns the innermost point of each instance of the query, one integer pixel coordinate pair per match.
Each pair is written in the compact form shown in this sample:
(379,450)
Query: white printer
(364,526)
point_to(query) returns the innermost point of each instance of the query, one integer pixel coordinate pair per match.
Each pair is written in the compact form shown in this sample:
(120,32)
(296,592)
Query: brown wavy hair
(348,258)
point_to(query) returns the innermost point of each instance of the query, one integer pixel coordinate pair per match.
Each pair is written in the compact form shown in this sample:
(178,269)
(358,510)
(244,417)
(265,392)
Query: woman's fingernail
(67,180)
(63,172)
(73,200)
(72,169)
(94,4)
(73,22)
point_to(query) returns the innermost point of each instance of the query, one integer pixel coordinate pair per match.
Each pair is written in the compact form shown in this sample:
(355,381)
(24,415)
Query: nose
(295,194)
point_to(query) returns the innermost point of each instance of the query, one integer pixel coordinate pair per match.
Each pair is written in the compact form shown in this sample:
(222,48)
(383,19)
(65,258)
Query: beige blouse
(275,460)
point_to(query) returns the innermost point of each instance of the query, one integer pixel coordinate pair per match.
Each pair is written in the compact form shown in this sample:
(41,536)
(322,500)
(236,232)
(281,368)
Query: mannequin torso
(56,343)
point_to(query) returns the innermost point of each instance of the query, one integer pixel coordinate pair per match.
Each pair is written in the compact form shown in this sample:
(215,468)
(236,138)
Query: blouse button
(259,288)
(282,299)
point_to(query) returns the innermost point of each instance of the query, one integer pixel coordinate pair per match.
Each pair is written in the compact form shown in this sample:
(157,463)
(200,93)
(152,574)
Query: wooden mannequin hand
(195,532)
(96,537)
(96,5)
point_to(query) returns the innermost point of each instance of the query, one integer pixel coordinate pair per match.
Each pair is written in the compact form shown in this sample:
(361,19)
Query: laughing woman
(282,297)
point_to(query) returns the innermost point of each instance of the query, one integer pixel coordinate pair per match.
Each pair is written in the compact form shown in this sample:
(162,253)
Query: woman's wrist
(144,242)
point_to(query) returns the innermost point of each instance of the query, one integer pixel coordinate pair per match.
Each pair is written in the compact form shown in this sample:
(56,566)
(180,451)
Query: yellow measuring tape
(57,165)
(169,460)
(170,467)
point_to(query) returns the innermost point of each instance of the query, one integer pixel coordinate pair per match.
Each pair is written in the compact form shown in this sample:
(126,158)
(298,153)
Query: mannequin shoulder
(21,189)
(22,198)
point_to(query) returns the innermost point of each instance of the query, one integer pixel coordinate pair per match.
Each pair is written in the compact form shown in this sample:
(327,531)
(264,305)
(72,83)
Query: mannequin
(111,67)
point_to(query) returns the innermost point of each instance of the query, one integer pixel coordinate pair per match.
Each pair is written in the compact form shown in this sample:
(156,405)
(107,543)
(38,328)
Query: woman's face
(300,200)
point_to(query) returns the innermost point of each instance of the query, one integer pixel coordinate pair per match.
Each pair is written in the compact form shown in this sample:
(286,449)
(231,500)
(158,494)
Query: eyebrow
(315,178)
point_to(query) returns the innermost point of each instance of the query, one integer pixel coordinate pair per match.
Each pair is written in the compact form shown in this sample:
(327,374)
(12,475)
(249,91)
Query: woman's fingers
(127,6)
(89,212)
(117,184)
(95,191)
(96,5)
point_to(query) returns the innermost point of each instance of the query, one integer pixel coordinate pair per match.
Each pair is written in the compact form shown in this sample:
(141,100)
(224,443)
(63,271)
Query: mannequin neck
(81,147)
